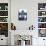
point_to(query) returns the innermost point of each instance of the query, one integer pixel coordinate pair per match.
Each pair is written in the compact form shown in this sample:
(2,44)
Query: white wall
(31,7)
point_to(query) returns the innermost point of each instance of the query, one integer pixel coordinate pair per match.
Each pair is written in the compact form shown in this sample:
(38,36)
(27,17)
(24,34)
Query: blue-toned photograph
(22,14)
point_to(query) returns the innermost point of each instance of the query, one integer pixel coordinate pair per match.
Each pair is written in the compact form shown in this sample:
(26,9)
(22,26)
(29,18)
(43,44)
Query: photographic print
(22,14)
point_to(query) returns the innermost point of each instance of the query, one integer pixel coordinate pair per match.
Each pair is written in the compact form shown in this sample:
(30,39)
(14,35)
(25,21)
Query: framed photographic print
(22,14)
(42,32)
